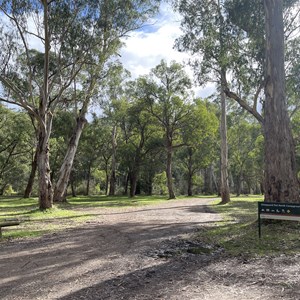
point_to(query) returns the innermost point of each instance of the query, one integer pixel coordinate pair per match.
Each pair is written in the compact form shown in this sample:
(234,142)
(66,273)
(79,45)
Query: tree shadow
(108,262)
(111,261)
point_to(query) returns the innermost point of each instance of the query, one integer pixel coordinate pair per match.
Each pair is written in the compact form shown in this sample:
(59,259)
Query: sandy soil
(141,253)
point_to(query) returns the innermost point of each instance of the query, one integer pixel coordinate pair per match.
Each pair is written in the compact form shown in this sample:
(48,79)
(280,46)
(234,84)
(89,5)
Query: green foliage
(200,137)
(159,184)
(245,142)
(209,37)
(9,191)
(17,143)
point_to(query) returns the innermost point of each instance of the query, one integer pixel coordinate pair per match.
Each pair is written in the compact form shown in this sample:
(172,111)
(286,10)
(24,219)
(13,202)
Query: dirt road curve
(124,254)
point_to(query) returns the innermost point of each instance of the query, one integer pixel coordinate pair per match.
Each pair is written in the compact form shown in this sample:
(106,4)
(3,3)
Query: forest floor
(151,252)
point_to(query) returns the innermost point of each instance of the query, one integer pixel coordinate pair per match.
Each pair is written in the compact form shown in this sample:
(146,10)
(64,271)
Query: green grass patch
(35,222)
(238,232)
(113,201)
(65,215)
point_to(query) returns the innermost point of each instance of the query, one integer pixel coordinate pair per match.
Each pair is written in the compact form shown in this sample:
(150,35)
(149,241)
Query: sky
(145,48)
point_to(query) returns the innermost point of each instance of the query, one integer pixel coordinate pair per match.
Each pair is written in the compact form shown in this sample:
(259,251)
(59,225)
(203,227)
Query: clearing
(141,253)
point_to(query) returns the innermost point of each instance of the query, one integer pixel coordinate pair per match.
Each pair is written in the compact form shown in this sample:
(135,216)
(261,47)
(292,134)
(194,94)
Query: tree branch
(244,104)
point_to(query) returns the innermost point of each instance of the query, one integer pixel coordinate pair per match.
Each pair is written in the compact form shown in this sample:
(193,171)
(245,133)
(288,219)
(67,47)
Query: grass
(113,201)
(238,232)
(61,216)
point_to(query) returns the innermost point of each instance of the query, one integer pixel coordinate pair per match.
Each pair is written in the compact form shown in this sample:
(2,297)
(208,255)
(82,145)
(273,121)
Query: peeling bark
(45,184)
(281,183)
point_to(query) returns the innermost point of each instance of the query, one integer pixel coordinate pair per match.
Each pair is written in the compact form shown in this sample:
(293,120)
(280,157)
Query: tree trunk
(169,171)
(262,188)
(133,183)
(208,180)
(224,185)
(2,189)
(29,186)
(281,184)
(238,185)
(190,173)
(73,189)
(125,193)
(106,176)
(112,180)
(134,174)
(149,184)
(106,184)
(224,188)
(88,181)
(190,185)
(45,185)
(45,125)
(65,170)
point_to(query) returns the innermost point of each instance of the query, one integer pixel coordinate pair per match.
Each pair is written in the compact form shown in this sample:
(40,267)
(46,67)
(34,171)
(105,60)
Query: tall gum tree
(206,38)
(166,93)
(253,64)
(127,16)
(281,183)
(268,53)
(200,135)
(68,34)
(140,132)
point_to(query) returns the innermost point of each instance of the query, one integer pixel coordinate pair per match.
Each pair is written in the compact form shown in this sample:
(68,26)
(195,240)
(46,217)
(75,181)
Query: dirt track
(136,254)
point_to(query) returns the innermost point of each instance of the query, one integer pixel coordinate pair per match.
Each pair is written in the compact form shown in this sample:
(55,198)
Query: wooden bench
(6,224)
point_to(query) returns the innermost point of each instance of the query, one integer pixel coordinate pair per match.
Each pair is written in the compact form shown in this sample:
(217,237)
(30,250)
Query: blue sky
(146,47)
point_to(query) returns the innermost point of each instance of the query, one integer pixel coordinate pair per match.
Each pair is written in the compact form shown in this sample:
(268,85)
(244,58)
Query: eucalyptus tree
(17,141)
(247,85)
(199,135)
(257,65)
(245,152)
(141,134)
(115,106)
(166,93)
(62,129)
(281,183)
(75,38)
(206,36)
(94,152)
(103,146)
(115,114)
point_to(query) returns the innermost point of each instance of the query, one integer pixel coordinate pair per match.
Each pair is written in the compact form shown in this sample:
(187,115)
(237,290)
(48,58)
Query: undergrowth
(237,233)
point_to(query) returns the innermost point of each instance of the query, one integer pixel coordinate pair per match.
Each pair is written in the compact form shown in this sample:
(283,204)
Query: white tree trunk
(112,180)
(65,170)
(45,185)
(224,188)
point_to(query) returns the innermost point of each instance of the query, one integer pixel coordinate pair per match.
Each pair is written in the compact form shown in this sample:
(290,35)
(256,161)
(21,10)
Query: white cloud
(144,49)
